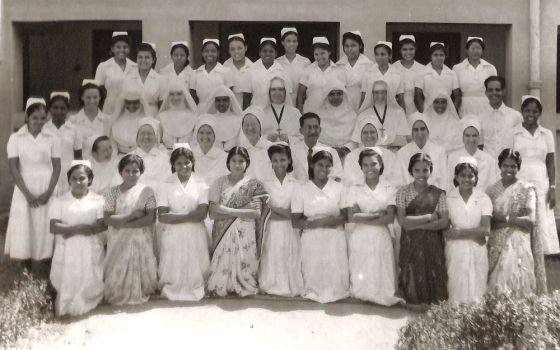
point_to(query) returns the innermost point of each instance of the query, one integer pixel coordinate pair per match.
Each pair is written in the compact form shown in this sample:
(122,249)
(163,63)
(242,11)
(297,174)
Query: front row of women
(284,238)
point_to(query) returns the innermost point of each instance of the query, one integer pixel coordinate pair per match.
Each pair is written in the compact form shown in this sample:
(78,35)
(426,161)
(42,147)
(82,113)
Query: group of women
(212,182)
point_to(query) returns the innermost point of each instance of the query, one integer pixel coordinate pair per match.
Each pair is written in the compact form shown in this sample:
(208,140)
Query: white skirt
(324,263)
(372,265)
(280,267)
(184,262)
(467,270)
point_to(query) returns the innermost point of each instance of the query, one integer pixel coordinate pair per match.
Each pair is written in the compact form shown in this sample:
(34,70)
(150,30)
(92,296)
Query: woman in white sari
(445,126)
(178,114)
(223,105)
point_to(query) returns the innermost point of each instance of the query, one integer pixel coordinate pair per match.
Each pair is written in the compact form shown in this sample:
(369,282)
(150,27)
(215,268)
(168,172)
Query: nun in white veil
(224,107)
(280,118)
(209,156)
(178,115)
(257,146)
(445,125)
(393,131)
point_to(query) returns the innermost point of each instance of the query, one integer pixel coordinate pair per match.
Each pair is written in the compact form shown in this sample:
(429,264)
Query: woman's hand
(32,201)
(452,233)
(434,216)
(551,197)
(44,198)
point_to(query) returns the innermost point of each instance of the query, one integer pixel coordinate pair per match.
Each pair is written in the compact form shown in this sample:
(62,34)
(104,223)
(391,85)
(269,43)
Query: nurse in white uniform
(488,172)
(471,73)
(437,77)
(536,146)
(209,156)
(421,143)
(153,84)
(177,115)
(316,75)
(466,256)
(280,118)
(238,63)
(90,121)
(34,161)
(318,210)
(104,164)
(112,73)
(179,67)
(257,78)
(256,145)
(386,72)
(355,65)
(224,107)
(445,128)
(67,134)
(293,62)
(184,263)
(211,74)
(410,69)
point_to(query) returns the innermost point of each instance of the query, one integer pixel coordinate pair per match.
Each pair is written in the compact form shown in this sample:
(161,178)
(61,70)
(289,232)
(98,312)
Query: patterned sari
(423,275)
(235,242)
(515,255)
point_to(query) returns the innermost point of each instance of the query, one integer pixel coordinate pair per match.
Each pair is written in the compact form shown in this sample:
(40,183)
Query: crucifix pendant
(279,131)
(382,129)
(223,145)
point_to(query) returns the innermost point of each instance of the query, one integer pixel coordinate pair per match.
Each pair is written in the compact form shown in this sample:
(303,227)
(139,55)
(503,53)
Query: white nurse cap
(119,34)
(526,97)
(287,30)
(384,43)
(238,35)
(34,100)
(80,162)
(182,145)
(321,40)
(215,41)
(433,43)
(64,94)
(90,81)
(467,160)
(151,44)
(356,32)
(175,43)
(474,38)
(279,143)
(407,36)
(317,149)
(268,39)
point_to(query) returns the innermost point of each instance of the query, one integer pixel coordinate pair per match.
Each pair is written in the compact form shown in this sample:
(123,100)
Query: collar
(229,63)
(444,70)
(315,65)
(259,65)
(519,129)
(298,57)
(218,68)
(362,59)
(483,63)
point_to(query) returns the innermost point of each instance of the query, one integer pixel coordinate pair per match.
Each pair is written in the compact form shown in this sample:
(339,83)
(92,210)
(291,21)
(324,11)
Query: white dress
(110,75)
(354,75)
(280,265)
(295,70)
(471,83)
(315,79)
(256,81)
(466,260)
(324,257)
(184,259)
(353,174)
(410,77)
(70,141)
(205,83)
(77,264)
(153,88)
(533,150)
(238,76)
(168,72)
(28,235)
(89,130)
(431,82)
(371,254)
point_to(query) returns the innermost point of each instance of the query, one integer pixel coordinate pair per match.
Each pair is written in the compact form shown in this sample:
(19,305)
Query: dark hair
(420,157)
(462,166)
(178,153)
(528,100)
(383,46)
(406,41)
(321,46)
(118,38)
(308,115)
(56,98)
(148,48)
(87,86)
(320,155)
(470,42)
(181,46)
(354,37)
(268,42)
(497,78)
(282,149)
(34,107)
(509,153)
(238,150)
(131,159)
(83,167)
(437,47)
(368,152)
(288,33)
(97,141)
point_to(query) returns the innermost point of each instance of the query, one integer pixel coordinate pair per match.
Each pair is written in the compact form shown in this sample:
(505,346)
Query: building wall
(165,21)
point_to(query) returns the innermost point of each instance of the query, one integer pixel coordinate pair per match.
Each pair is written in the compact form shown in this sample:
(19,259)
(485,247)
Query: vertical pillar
(535,82)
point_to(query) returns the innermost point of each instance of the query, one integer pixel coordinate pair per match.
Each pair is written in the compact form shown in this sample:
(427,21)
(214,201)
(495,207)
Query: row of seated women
(321,238)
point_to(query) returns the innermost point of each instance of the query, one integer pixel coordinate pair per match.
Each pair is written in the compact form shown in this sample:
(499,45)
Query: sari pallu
(515,261)
(423,274)
(236,243)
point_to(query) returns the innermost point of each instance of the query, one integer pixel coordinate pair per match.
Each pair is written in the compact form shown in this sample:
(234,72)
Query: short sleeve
(493,71)
(100,75)
(111,199)
(228,78)
(400,87)
(297,200)
(454,82)
(400,198)
(215,190)
(55,210)
(441,206)
(486,208)
(245,81)
(549,139)
(391,195)
(204,191)
(12,147)
(365,83)
(305,76)
(192,81)
(161,195)
(419,81)
(55,147)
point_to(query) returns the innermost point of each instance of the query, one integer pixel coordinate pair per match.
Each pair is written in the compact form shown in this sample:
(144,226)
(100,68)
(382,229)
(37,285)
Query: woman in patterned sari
(515,256)
(423,215)
(236,205)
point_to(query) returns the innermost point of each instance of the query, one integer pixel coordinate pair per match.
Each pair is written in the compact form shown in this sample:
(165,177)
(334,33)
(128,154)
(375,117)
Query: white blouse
(316,203)
(205,83)
(110,75)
